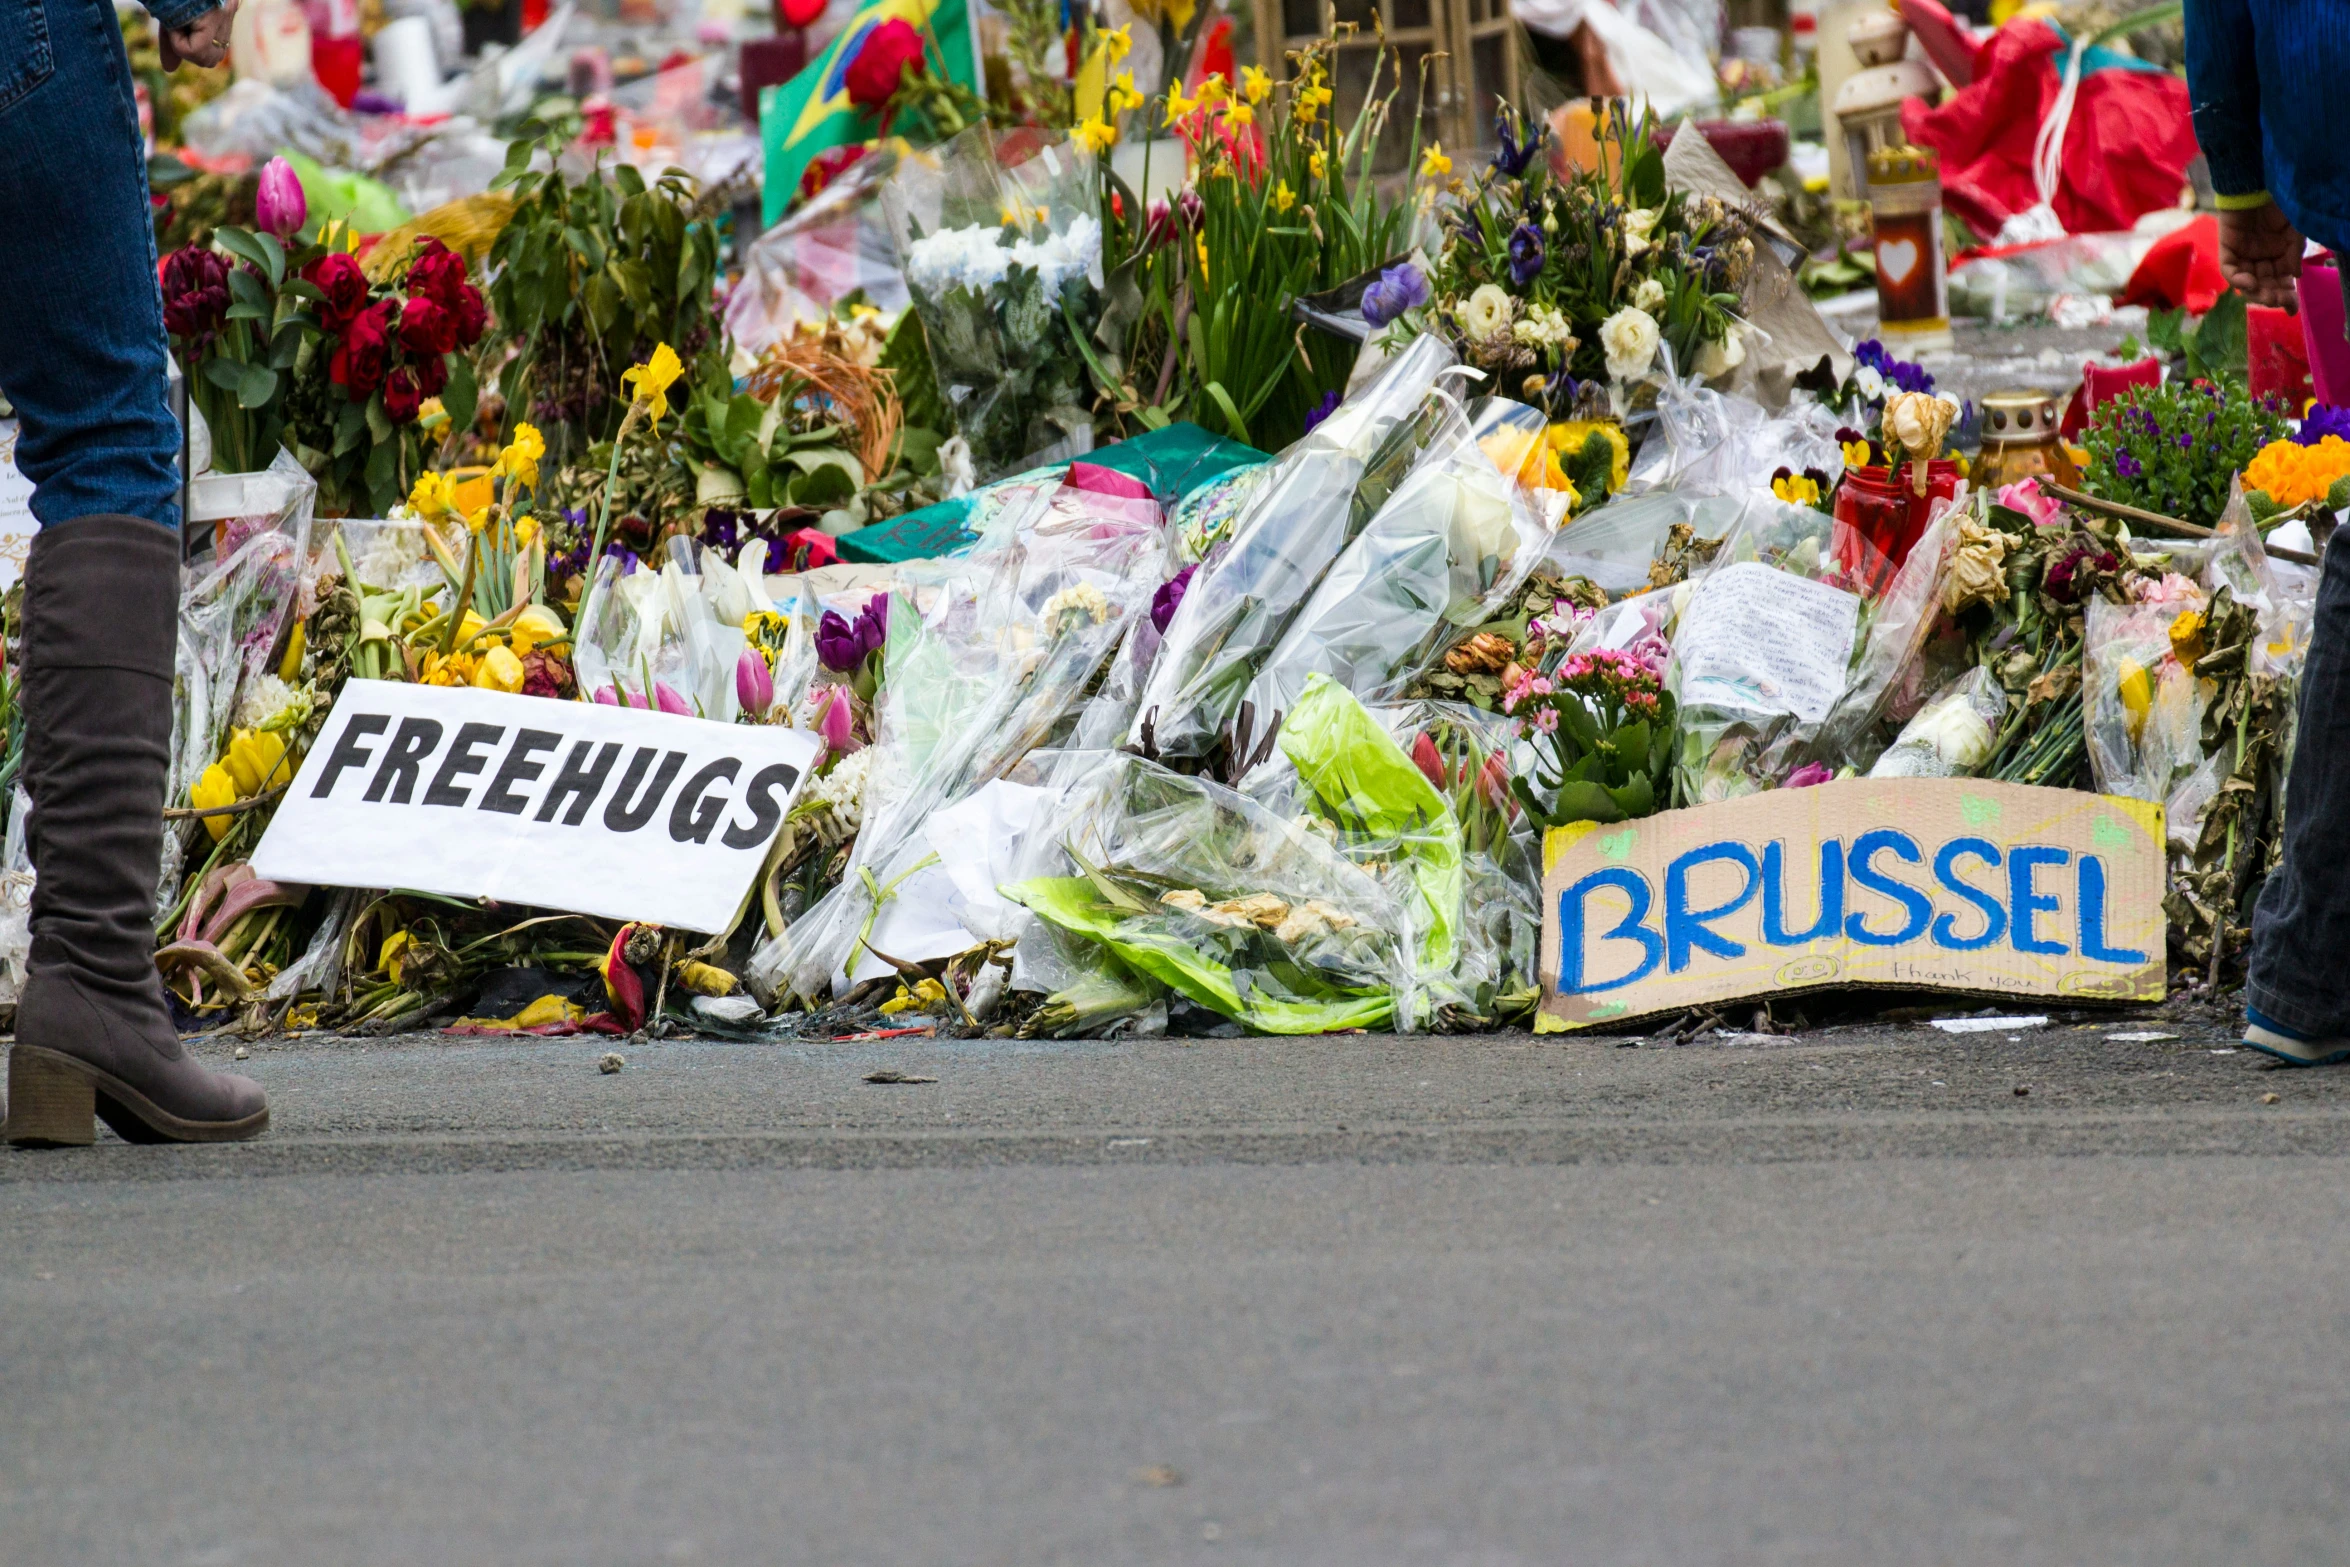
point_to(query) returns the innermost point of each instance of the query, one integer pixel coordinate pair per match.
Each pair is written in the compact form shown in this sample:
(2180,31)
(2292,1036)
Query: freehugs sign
(1947,884)
(611,811)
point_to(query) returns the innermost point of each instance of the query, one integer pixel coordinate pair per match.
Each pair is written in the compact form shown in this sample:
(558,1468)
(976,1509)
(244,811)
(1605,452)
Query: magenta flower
(842,647)
(669,701)
(279,205)
(754,684)
(1808,774)
(838,724)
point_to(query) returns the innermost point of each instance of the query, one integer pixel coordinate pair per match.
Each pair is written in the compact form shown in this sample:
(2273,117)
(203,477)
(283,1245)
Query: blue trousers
(82,352)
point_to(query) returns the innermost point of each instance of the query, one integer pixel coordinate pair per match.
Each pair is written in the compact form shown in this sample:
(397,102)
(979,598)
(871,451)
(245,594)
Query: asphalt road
(1846,1297)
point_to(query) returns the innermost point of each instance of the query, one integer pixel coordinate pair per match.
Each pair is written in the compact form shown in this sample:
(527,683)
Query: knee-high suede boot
(94,1034)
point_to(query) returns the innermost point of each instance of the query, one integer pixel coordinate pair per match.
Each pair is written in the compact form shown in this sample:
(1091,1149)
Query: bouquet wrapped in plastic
(1244,595)
(1453,542)
(1229,905)
(1001,243)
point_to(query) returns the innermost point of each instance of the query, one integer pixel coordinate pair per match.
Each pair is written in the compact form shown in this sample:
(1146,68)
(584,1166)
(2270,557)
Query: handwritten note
(1767,641)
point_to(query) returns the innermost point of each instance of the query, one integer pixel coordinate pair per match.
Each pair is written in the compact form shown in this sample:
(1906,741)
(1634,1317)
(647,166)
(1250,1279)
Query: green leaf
(462,396)
(1582,801)
(273,257)
(248,290)
(227,374)
(631,183)
(241,244)
(379,425)
(2219,350)
(257,386)
(760,487)
(241,311)
(1237,426)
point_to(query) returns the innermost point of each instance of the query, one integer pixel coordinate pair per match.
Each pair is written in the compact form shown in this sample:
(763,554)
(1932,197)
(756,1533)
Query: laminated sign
(1935,883)
(614,811)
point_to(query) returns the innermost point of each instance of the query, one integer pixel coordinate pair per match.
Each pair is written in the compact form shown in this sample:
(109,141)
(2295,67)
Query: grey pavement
(1845,1297)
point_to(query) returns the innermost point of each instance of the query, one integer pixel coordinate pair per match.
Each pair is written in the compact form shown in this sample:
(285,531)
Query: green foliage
(2175,448)
(589,276)
(2211,347)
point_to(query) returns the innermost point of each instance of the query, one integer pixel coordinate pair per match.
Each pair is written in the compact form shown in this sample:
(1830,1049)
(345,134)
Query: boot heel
(49,1105)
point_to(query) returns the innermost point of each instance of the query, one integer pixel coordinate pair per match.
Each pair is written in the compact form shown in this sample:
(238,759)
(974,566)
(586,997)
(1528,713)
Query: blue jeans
(82,352)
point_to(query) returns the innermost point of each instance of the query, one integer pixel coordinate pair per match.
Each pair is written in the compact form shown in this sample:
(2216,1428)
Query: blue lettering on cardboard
(2024,902)
(1994,913)
(1916,906)
(1831,898)
(2090,911)
(1630,928)
(1685,927)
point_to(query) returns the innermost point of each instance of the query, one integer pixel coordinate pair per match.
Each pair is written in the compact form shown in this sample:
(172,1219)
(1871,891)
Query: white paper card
(611,811)
(1766,640)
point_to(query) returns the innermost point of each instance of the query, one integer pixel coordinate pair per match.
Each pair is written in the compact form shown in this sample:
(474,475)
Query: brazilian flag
(811,113)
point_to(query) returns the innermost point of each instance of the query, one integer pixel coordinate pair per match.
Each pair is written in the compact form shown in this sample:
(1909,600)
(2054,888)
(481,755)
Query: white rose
(1637,225)
(1650,295)
(1716,360)
(1486,311)
(1629,338)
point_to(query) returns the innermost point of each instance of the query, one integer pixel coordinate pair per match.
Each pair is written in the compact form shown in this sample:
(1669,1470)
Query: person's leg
(2300,1009)
(81,357)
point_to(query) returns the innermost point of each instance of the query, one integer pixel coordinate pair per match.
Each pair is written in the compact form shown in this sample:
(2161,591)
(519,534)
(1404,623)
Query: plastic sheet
(1453,543)
(2141,708)
(1244,595)
(1952,735)
(836,246)
(1615,545)
(1706,441)
(1237,910)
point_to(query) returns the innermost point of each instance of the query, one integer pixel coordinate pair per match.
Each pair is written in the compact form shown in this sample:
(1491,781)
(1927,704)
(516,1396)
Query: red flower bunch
(882,61)
(398,347)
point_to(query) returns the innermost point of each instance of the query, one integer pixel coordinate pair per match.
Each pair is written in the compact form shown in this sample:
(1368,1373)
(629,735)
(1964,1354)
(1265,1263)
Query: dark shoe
(94,1035)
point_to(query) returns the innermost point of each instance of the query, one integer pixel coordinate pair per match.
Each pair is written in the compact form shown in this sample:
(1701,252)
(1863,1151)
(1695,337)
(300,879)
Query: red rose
(426,329)
(338,277)
(882,62)
(364,353)
(473,317)
(402,395)
(828,166)
(432,374)
(437,273)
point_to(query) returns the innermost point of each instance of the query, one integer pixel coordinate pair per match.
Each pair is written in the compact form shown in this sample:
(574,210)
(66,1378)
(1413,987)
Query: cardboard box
(1931,884)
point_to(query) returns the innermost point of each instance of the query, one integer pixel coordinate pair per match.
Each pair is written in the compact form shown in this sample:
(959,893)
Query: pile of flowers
(2176,449)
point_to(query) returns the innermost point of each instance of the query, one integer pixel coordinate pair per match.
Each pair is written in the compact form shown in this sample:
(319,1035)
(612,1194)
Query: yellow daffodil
(1312,99)
(1179,108)
(519,462)
(1316,164)
(479,518)
(1123,95)
(212,791)
(1433,162)
(1116,42)
(256,760)
(1214,89)
(1095,136)
(429,498)
(390,955)
(652,379)
(1283,197)
(1237,115)
(1254,84)
(526,531)
(534,628)
(499,670)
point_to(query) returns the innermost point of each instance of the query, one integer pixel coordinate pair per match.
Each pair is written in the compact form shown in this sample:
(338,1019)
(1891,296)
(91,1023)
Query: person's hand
(203,41)
(2260,253)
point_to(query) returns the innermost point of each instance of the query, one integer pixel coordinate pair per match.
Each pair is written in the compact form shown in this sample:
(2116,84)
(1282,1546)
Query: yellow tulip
(389,957)
(289,668)
(2186,637)
(499,670)
(2137,693)
(534,628)
(212,791)
(468,626)
(652,381)
(256,760)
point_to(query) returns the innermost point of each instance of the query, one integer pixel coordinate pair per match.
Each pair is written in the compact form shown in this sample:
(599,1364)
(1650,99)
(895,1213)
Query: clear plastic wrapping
(1243,596)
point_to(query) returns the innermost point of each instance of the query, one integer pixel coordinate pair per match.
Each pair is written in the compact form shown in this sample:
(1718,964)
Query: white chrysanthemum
(973,257)
(269,703)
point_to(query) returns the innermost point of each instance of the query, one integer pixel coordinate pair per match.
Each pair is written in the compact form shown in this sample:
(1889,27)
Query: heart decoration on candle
(1896,260)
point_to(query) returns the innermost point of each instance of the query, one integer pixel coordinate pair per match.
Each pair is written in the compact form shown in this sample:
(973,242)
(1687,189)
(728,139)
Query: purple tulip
(754,685)
(669,701)
(279,205)
(842,647)
(1169,598)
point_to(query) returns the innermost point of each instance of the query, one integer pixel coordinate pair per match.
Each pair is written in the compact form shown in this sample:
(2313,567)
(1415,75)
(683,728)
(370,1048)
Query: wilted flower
(1322,410)
(1510,156)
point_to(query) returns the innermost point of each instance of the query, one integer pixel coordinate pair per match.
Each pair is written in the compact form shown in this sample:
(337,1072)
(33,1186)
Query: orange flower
(2292,474)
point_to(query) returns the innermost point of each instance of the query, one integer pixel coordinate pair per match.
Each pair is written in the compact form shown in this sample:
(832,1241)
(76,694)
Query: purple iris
(1399,288)
(1169,598)
(1509,158)
(2322,421)
(843,647)
(1525,254)
(2128,466)
(1315,415)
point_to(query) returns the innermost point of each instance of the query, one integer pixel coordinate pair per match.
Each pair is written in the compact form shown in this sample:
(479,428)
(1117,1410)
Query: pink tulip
(1808,774)
(837,723)
(754,686)
(609,696)
(669,701)
(279,205)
